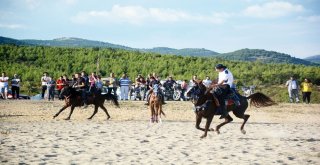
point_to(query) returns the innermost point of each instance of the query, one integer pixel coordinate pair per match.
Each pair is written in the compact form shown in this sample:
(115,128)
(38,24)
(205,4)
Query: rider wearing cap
(225,81)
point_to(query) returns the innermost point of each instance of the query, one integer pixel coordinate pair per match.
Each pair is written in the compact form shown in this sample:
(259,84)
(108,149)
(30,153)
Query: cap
(220,66)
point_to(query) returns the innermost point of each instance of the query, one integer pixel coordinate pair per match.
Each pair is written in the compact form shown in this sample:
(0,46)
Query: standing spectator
(44,81)
(207,82)
(99,85)
(15,86)
(51,86)
(4,85)
(293,89)
(61,82)
(306,88)
(112,85)
(92,82)
(124,86)
(184,88)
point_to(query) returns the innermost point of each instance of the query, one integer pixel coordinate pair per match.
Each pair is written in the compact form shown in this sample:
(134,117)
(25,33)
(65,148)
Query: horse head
(197,92)
(65,92)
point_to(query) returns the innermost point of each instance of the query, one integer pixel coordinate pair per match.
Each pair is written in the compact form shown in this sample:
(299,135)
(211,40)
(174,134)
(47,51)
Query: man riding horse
(80,86)
(153,81)
(224,89)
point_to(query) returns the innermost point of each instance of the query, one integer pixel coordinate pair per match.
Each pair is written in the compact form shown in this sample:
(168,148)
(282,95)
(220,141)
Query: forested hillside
(240,55)
(184,52)
(315,59)
(263,56)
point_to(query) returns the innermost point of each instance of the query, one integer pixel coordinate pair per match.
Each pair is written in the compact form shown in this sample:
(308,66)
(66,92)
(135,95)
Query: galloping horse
(206,106)
(155,104)
(73,99)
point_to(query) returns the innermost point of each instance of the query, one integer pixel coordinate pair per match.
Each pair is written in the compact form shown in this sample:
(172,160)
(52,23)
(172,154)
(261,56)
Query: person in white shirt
(293,89)
(15,86)
(4,85)
(225,82)
(207,82)
(44,81)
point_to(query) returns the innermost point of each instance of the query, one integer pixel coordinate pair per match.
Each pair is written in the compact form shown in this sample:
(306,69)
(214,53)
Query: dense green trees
(31,61)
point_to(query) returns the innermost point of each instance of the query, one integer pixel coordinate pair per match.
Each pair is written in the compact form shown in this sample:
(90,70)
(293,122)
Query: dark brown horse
(206,106)
(73,99)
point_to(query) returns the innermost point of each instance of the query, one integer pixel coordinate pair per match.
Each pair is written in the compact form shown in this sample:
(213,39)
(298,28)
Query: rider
(225,81)
(80,85)
(153,81)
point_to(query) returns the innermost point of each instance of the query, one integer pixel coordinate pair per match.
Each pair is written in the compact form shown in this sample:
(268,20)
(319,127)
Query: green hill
(197,52)
(315,59)
(75,42)
(263,56)
(239,55)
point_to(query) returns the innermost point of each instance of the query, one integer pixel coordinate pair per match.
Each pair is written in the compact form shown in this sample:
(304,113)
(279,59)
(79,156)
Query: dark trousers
(306,97)
(44,88)
(15,90)
(114,89)
(51,93)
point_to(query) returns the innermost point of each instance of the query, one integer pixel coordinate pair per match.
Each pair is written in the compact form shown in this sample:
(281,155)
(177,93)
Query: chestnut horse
(73,99)
(206,106)
(155,104)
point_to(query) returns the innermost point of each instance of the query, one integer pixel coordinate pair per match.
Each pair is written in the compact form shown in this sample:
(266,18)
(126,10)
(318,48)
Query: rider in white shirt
(225,82)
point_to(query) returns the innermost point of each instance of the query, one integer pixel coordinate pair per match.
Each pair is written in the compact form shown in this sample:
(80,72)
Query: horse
(155,104)
(73,98)
(206,106)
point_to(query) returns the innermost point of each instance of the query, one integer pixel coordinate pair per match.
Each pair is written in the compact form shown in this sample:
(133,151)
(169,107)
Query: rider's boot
(224,110)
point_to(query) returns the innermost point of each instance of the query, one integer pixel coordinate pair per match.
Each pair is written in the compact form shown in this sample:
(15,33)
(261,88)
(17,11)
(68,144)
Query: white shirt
(294,84)
(44,80)
(226,77)
(5,83)
(207,82)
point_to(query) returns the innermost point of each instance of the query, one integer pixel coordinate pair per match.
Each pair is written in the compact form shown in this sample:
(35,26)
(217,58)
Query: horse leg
(152,112)
(94,112)
(209,120)
(227,120)
(245,119)
(105,110)
(62,109)
(71,111)
(198,121)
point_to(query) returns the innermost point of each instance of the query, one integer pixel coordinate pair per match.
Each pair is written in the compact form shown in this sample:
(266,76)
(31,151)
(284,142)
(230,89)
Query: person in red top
(61,82)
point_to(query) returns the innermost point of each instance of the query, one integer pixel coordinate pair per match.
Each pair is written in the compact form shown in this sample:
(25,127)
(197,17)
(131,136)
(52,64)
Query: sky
(291,27)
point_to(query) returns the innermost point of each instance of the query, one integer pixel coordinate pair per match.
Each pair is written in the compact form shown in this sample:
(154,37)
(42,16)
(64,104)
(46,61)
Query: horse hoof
(211,129)
(243,131)
(108,117)
(89,118)
(203,136)
(218,132)
(67,118)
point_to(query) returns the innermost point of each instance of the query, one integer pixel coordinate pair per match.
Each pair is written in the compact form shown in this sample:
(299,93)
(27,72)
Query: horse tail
(113,98)
(260,100)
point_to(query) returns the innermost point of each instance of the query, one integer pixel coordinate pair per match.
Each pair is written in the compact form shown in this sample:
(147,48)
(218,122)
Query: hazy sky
(291,27)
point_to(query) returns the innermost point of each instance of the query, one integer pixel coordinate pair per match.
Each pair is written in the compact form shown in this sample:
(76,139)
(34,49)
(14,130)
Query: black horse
(73,98)
(206,106)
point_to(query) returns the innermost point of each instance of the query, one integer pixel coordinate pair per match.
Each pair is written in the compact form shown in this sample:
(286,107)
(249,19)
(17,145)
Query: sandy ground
(282,134)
